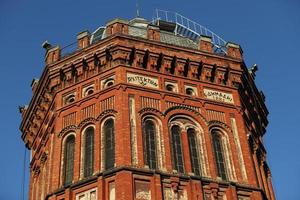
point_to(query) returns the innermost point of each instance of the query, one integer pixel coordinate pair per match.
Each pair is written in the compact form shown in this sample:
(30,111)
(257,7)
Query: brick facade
(125,78)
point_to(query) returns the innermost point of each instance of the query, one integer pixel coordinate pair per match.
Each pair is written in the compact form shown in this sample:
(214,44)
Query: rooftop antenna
(137,8)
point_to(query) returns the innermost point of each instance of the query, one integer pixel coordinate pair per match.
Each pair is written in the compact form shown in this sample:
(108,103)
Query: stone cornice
(52,80)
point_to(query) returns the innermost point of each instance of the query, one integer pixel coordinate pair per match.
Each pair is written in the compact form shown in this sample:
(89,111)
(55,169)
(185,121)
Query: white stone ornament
(218,96)
(141,80)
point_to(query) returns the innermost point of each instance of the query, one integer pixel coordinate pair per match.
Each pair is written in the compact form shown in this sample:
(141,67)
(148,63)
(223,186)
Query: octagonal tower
(136,111)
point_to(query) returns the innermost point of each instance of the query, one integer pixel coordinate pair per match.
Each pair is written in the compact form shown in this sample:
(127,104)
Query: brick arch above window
(86,122)
(107,114)
(65,131)
(224,128)
(66,135)
(75,127)
(186,122)
(150,111)
(152,115)
(198,118)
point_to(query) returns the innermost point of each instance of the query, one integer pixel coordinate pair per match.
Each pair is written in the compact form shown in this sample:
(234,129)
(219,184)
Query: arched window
(109,82)
(219,154)
(190,91)
(69,99)
(176,147)
(193,151)
(149,143)
(88,91)
(170,87)
(89,152)
(69,159)
(109,138)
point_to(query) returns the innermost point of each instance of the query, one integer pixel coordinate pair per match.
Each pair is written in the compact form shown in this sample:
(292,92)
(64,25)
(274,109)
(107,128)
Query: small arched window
(190,91)
(193,151)
(109,82)
(149,132)
(69,149)
(170,87)
(89,152)
(177,149)
(69,99)
(219,154)
(88,91)
(109,138)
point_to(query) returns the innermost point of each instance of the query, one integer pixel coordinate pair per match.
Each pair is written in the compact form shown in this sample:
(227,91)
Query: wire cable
(23,176)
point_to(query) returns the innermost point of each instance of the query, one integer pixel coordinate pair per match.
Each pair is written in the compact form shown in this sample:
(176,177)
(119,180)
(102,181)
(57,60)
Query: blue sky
(268,32)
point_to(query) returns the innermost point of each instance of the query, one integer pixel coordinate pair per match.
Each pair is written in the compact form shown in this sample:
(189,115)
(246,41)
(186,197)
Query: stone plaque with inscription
(218,96)
(141,80)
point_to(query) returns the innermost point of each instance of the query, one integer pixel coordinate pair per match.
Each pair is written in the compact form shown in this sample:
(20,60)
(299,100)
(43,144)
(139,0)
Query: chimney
(23,109)
(153,33)
(117,26)
(205,43)
(234,50)
(83,39)
(52,53)
(34,84)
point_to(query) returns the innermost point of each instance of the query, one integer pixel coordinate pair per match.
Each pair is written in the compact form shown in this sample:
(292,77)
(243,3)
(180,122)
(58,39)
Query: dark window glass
(89,91)
(109,135)
(70,99)
(189,91)
(193,151)
(108,83)
(69,160)
(219,154)
(89,152)
(177,150)
(149,144)
(170,87)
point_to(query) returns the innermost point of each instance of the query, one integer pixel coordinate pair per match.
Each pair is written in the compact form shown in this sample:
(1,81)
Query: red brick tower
(138,112)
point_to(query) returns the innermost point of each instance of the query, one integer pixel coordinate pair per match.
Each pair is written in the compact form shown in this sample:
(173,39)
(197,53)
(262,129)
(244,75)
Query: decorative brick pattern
(107,104)
(173,104)
(147,102)
(142,190)
(88,111)
(69,119)
(212,115)
(48,121)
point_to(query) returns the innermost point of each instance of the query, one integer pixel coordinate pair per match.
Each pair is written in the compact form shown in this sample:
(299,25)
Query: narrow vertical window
(193,151)
(69,160)
(89,152)
(149,144)
(219,154)
(109,136)
(176,147)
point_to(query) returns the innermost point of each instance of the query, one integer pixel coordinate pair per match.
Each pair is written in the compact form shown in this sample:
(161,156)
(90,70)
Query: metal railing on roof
(189,28)
(69,49)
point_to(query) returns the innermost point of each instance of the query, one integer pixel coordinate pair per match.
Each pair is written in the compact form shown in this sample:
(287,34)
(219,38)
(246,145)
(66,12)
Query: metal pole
(137,9)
